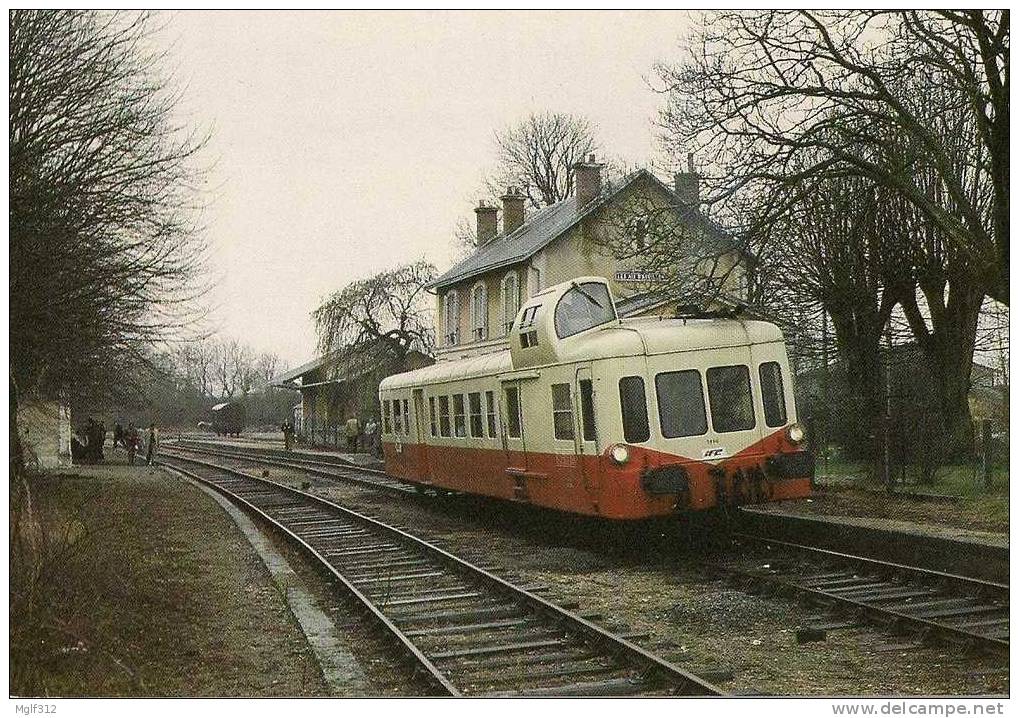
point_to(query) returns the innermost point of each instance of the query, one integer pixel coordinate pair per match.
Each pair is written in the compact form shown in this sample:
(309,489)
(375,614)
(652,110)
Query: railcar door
(587,430)
(420,450)
(511,417)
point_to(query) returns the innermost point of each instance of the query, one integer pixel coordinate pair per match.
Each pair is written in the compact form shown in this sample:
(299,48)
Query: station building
(336,387)
(515,257)
(478,298)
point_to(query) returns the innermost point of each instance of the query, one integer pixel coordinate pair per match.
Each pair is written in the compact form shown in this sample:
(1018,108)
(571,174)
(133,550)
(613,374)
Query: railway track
(465,630)
(926,604)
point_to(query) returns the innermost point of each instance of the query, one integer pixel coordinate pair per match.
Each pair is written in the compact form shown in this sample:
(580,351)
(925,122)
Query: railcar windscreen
(732,408)
(633,403)
(681,403)
(772,393)
(582,307)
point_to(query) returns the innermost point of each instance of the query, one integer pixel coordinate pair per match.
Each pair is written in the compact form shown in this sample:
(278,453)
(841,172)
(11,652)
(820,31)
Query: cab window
(490,413)
(431,415)
(582,307)
(459,418)
(587,409)
(512,412)
(562,412)
(681,404)
(474,406)
(633,404)
(732,408)
(443,416)
(772,393)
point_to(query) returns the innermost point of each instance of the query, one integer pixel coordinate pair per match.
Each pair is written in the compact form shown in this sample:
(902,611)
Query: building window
(459,418)
(562,412)
(772,393)
(387,422)
(681,404)
(633,404)
(443,416)
(510,300)
(479,312)
(451,317)
(406,417)
(431,415)
(587,409)
(397,417)
(732,408)
(490,407)
(513,412)
(477,421)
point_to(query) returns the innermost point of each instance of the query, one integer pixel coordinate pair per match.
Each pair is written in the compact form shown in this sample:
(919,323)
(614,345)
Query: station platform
(274,442)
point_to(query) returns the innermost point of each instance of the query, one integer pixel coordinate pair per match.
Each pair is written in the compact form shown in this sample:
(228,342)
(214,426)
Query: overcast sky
(346,143)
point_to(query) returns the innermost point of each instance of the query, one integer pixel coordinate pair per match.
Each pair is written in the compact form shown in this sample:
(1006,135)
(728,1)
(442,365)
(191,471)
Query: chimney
(488,223)
(688,184)
(512,209)
(587,180)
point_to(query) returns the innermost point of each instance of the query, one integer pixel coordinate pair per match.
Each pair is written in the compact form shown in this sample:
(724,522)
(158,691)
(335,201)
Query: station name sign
(638,276)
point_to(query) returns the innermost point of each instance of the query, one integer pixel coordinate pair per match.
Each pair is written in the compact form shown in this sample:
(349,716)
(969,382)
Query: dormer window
(451,317)
(479,312)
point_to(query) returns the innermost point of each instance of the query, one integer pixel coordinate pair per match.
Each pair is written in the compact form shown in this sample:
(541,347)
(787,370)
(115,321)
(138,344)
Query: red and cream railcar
(587,413)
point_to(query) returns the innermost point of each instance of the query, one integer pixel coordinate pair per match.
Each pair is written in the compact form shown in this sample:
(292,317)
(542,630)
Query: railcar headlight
(795,433)
(620,454)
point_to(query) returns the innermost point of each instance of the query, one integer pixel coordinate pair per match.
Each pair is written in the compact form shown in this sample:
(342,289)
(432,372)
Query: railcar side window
(512,412)
(406,417)
(459,419)
(443,416)
(562,412)
(582,307)
(587,409)
(772,393)
(397,417)
(431,415)
(681,403)
(387,425)
(732,408)
(474,406)
(633,404)
(490,412)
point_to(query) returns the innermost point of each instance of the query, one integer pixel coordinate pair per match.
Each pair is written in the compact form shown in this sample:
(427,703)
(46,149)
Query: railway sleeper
(612,687)
(528,675)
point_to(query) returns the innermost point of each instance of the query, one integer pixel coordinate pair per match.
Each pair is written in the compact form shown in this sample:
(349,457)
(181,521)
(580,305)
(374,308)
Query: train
(227,418)
(591,414)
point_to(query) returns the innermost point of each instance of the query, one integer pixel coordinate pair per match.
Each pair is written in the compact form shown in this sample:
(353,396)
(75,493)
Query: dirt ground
(146,588)
(697,622)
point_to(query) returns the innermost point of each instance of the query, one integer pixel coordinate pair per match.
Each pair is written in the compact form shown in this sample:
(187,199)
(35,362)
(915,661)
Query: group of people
(87,444)
(365,437)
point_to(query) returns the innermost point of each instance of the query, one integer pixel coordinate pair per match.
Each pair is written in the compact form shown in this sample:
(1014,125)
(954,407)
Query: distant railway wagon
(227,418)
(587,413)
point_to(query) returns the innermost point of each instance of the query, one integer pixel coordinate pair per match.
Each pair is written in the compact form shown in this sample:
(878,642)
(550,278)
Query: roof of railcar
(631,337)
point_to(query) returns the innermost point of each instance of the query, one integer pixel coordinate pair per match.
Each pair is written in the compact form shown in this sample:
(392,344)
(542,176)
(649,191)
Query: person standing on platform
(352,429)
(131,443)
(371,428)
(152,445)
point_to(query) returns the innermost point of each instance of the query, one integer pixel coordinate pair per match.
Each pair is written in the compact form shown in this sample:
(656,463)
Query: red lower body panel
(595,485)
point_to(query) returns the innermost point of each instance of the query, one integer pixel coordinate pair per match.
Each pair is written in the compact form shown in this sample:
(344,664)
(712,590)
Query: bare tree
(104,251)
(766,91)
(538,155)
(383,316)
